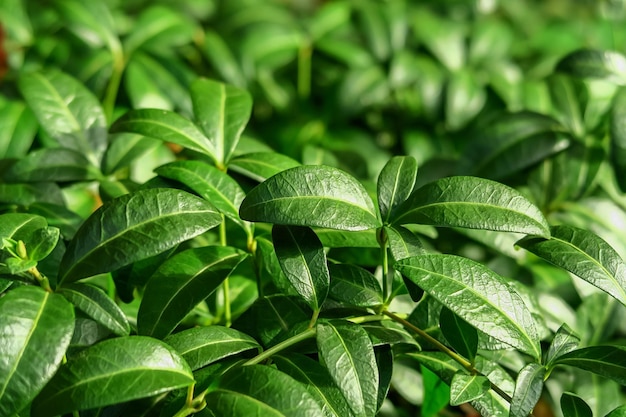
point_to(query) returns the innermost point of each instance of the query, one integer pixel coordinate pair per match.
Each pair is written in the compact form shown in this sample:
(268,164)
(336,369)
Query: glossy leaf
(134,227)
(584,254)
(346,351)
(618,412)
(180,283)
(317,381)
(590,63)
(331,238)
(160,27)
(222,112)
(79,122)
(403,243)
(166,126)
(354,286)
(528,388)
(218,53)
(574,406)
(388,333)
(19,129)
(102,374)
(260,166)
(35,331)
(202,346)
(473,203)
(460,334)
(477,295)
(607,361)
(465,388)
(52,164)
(44,242)
(96,304)
(311,196)
(303,261)
(564,341)
(221,402)
(29,194)
(395,184)
(20,226)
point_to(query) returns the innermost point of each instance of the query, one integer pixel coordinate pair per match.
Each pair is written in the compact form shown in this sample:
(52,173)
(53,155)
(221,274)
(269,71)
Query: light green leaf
(462,336)
(259,166)
(395,184)
(403,243)
(311,196)
(477,295)
(568,100)
(20,226)
(218,53)
(222,112)
(92,22)
(103,373)
(592,63)
(347,353)
(124,149)
(303,261)
(436,393)
(19,127)
(331,238)
(528,388)
(202,346)
(474,203)
(465,98)
(134,227)
(160,27)
(354,286)
(618,136)
(565,340)
(574,406)
(607,361)
(35,331)
(180,283)
(52,164)
(618,412)
(584,254)
(96,304)
(465,388)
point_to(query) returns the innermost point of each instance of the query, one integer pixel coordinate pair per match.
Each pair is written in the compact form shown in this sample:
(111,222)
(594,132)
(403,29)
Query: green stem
(382,239)
(316,314)
(41,279)
(225,284)
(110,95)
(304,70)
(307,334)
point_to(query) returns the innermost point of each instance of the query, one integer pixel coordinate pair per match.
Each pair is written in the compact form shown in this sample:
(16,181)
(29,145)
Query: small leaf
(222,402)
(124,149)
(92,22)
(565,340)
(303,261)
(460,334)
(574,406)
(52,164)
(607,361)
(395,184)
(20,226)
(590,63)
(354,286)
(134,227)
(477,295)
(35,331)
(465,388)
(19,127)
(202,346)
(347,353)
(528,388)
(96,304)
(102,374)
(45,240)
(584,254)
(403,243)
(311,196)
(222,59)
(473,203)
(259,166)
(222,112)
(618,412)
(180,283)
(159,26)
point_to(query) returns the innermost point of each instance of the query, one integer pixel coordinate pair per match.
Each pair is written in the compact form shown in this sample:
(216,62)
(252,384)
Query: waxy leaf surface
(52,164)
(354,286)
(259,166)
(395,183)
(564,341)
(465,388)
(607,361)
(574,406)
(528,388)
(403,243)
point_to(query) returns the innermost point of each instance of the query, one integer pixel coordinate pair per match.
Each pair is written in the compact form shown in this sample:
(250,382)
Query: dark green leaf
(395,184)
(180,283)
(462,336)
(388,333)
(124,149)
(222,59)
(58,216)
(134,227)
(618,136)
(347,353)
(311,196)
(591,63)
(565,340)
(384,362)
(259,166)
(52,164)
(35,330)
(96,304)
(87,332)
(354,286)
(607,361)
(618,412)
(568,96)
(233,404)
(103,374)
(465,388)
(19,127)
(436,393)
(584,254)
(28,194)
(528,388)
(403,243)
(473,203)
(574,406)
(303,261)
(92,22)
(202,346)
(222,112)
(477,295)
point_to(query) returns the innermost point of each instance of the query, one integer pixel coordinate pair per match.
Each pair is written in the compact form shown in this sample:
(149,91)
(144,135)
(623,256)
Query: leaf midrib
(274,199)
(98,307)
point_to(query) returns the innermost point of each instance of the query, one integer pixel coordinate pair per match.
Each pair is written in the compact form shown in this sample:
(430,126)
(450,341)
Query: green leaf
(44,242)
(124,149)
(465,98)
(317,381)
(384,362)
(52,164)
(202,346)
(477,295)
(79,122)
(462,336)
(591,63)
(564,341)
(303,261)
(618,412)
(354,286)
(35,331)
(220,56)
(342,239)
(167,126)
(403,243)
(568,97)
(311,196)
(388,333)
(607,361)
(103,374)
(584,254)
(465,388)
(528,388)
(92,22)
(180,283)
(96,304)
(436,393)
(474,203)
(574,406)
(222,112)
(160,27)
(19,127)
(228,403)
(347,353)
(134,227)
(259,166)
(618,137)
(20,226)
(395,184)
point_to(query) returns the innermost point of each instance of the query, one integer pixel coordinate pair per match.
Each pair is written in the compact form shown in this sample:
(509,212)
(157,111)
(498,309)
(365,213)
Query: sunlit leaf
(607,361)
(591,63)
(395,183)
(465,388)
(528,388)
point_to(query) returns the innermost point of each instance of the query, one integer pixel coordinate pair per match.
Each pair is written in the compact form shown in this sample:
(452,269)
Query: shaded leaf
(354,285)
(574,406)
(618,412)
(607,361)
(564,341)
(465,388)
(18,129)
(528,388)
(52,164)
(92,22)
(221,402)
(590,63)
(395,184)
(124,149)
(403,243)
(158,26)
(259,166)
(436,393)
(462,336)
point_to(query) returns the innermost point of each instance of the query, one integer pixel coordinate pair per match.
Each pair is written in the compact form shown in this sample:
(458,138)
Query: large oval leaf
(474,203)
(477,295)
(111,372)
(20,226)
(607,361)
(395,183)
(181,283)
(311,196)
(52,164)
(134,227)
(35,330)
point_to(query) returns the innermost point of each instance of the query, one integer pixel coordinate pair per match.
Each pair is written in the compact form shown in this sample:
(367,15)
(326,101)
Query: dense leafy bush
(215,208)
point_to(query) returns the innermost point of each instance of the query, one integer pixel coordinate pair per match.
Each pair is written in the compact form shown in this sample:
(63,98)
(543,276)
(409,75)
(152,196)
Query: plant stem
(316,314)
(382,239)
(42,280)
(307,334)
(304,70)
(110,96)
(225,284)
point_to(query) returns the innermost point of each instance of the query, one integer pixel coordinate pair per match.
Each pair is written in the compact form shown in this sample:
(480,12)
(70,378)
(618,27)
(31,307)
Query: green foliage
(346,208)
